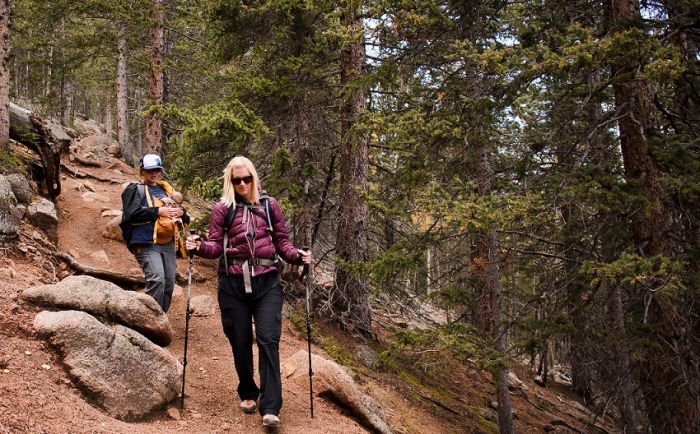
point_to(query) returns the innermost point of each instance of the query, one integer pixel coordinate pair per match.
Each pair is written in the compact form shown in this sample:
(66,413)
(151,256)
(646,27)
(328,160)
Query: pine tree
(4,75)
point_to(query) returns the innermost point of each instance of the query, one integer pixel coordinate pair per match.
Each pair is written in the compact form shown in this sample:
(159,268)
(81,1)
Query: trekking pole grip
(305,269)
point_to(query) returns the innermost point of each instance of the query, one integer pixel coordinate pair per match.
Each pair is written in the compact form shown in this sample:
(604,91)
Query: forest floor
(38,396)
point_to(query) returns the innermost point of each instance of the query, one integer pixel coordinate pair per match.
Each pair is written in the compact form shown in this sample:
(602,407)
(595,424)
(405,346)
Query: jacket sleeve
(280,237)
(213,247)
(133,211)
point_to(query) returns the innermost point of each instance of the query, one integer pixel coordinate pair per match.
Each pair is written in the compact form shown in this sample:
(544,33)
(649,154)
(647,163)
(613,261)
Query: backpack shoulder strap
(142,190)
(265,199)
(230,215)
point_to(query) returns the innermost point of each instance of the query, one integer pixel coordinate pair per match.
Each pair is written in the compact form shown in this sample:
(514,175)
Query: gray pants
(158,264)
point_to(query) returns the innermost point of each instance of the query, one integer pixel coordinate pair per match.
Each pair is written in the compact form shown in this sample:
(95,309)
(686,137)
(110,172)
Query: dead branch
(438,403)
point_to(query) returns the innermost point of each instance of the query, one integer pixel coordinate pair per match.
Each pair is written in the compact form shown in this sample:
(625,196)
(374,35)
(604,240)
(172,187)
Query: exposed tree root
(125,281)
(78,174)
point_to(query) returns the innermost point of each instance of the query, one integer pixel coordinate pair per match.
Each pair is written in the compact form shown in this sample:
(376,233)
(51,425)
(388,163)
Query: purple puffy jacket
(250,238)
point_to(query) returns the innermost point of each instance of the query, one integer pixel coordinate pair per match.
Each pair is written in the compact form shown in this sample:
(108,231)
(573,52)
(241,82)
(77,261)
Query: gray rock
(20,211)
(514,382)
(105,299)
(100,256)
(201,305)
(112,213)
(365,355)
(112,229)
(9,219)
(331,379)
(91,197)
(125,374)
(114,150)
(42,214)
(20,187)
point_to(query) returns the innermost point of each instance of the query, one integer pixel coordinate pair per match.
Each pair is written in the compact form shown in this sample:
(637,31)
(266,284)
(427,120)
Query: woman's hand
(306,256)
(193,242)
(170,212)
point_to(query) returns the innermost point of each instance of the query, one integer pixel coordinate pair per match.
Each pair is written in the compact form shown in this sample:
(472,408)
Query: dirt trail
(37,395)
(37,399)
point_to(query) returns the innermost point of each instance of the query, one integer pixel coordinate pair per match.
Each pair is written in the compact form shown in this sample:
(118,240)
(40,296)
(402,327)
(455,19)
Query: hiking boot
(248,406)
(270,420)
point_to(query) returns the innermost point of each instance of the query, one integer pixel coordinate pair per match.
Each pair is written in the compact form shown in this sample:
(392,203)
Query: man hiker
(149,225)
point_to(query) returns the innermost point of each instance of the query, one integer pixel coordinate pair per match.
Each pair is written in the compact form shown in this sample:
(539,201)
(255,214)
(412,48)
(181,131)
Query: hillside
(37,395)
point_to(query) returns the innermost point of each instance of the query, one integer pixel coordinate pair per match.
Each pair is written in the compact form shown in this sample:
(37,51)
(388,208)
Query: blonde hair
(229,195)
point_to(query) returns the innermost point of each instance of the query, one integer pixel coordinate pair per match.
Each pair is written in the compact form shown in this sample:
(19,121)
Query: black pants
(236,318)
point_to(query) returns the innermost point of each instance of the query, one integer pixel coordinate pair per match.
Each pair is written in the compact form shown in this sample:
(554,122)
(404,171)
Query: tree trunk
(67,105)
(628,403)
(51,142)
(352,294)
(670,404)
(154,124)
(684,35)
(486,267)
(4,75)
(122,100)
(108,119)
(302,230)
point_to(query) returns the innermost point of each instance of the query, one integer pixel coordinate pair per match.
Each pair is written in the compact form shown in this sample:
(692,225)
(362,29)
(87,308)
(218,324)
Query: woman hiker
(150,216)
(249,282)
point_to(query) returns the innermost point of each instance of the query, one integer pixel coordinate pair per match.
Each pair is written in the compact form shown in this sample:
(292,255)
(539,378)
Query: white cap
(151,161)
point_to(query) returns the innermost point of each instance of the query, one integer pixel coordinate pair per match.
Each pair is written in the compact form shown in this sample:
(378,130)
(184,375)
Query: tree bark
(628,403)
(352,294)
(302,232)
(122,101)
(670,404)
(4,75)
(684,35)
(108,119)
(45,138)
(154,124)
(486,267)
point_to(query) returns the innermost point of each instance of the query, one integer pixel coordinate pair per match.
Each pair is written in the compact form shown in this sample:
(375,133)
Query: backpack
(228,221)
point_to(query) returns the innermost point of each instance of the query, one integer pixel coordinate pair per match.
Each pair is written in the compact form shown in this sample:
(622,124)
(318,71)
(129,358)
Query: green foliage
(211,136)
(661,274)
(423,348)
(209,190)
(25,134)
(339,353)
(11,163)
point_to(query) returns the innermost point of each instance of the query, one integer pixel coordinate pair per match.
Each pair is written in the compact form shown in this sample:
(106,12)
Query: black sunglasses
(152,170)
(245,180)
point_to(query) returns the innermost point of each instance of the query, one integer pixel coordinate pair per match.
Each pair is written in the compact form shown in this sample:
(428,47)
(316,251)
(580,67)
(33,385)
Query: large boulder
(20,187)
(105,299)
(112,229)
(42,214)
(9,218)
(126,374)
(331,380)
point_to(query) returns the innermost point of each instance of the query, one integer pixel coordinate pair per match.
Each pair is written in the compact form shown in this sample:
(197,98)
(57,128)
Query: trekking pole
(305,275)
(187,321)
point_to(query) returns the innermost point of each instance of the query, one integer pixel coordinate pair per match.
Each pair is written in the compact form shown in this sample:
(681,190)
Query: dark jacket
(250,239)
(140,217)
